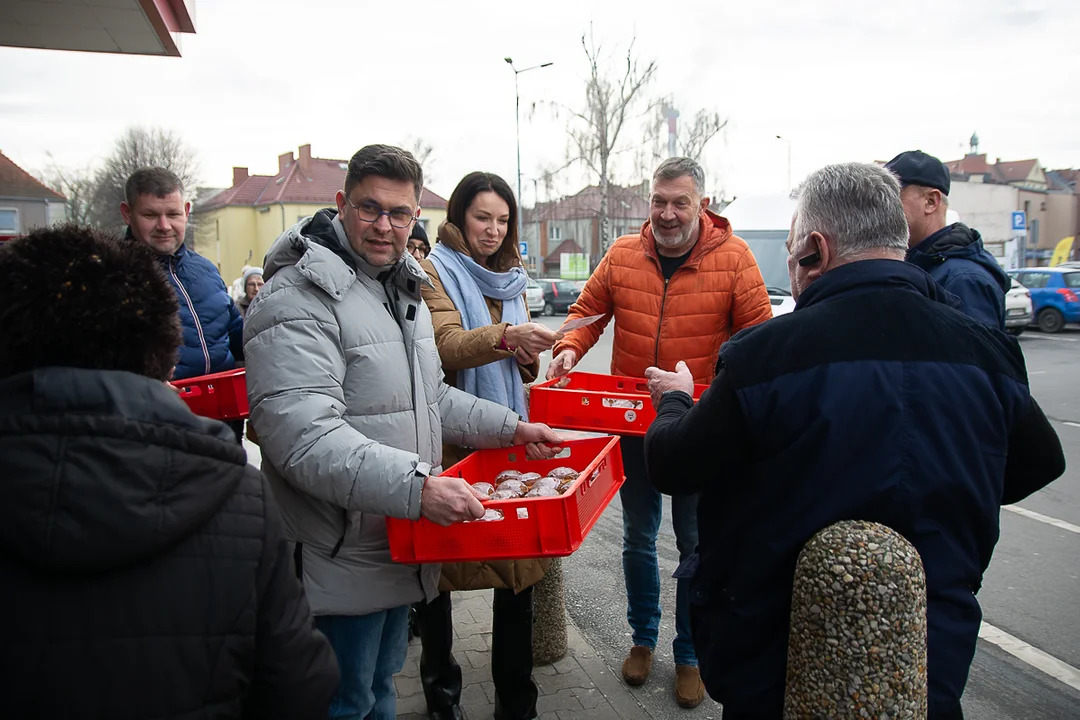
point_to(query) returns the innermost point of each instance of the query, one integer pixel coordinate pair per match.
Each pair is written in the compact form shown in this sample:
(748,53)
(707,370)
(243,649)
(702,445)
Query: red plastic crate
(222,396)
(530,528)
(597,403)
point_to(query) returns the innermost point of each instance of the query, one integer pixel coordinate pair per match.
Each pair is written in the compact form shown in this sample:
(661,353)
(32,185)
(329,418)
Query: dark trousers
(238,430)
(511,657)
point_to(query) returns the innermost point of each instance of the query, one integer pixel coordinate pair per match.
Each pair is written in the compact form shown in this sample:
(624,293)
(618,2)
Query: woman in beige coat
(488,347)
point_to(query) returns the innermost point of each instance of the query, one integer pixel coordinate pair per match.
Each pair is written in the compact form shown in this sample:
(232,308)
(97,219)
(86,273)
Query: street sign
(1019,220)
(523,248)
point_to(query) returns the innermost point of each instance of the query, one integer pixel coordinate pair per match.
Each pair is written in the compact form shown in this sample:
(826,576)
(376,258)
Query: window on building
(9,221)
(423,223)
(554,232)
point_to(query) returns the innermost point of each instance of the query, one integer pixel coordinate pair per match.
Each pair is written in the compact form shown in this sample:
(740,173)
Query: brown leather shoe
(689,690)
(636,666)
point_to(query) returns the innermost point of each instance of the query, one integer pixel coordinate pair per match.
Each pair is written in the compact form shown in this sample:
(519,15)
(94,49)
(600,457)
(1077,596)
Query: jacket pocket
(364,531)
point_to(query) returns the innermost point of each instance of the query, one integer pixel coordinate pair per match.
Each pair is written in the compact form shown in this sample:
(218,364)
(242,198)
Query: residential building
(25,202)
(986,194)
(236,226)
(572,225)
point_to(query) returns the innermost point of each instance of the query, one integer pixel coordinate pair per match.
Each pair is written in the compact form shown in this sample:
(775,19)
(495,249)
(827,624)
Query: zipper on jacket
(337,547)
(195,315)
(660,323)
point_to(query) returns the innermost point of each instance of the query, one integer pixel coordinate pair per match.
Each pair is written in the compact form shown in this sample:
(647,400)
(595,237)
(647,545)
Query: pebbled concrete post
(549,616)
(857,645)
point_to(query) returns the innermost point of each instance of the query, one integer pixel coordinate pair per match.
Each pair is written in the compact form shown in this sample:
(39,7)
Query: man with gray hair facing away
(677,290)
(874,400)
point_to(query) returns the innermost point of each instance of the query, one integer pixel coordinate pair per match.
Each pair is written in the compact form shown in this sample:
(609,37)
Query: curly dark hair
(74,296)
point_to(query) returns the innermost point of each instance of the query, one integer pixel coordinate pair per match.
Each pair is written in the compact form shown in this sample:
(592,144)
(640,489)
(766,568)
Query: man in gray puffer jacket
(351,410)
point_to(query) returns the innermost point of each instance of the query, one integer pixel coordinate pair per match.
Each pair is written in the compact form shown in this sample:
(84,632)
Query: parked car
(559,295)
(1054,295)
(534,298)
(1018,313)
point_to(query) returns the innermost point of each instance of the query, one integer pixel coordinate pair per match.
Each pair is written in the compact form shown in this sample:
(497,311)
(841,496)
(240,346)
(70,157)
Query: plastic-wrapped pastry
(565,485)
(547,482)
(513,485)
(491,515)
(483,490)
(562,473)
(529,478)
(505,495)
(507,475)
(542,491)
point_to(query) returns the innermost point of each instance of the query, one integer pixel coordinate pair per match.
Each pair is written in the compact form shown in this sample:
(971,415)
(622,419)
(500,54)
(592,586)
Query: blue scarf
(468,283)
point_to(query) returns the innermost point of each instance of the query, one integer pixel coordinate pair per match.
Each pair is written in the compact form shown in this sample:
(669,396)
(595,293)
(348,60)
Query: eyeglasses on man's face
(369,212)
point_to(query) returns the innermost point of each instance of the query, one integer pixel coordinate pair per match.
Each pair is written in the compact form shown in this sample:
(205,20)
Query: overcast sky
(841,79)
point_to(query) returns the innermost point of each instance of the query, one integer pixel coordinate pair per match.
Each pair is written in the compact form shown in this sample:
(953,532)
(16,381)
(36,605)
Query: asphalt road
(1031,590)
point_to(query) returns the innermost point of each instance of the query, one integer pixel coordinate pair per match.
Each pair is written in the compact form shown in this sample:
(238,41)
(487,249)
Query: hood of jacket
(960,242)
(713,231)
(320,250)
(103,469)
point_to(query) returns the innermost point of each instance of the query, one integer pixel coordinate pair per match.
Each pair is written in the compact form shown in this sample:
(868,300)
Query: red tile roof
(16,182)
(999,172)
(302,181)
(622,202)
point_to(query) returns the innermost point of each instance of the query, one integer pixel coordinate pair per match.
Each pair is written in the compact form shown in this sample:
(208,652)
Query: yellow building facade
(236,226)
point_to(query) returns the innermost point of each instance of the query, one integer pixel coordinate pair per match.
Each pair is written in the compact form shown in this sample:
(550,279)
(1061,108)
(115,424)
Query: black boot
(511,655)
(440,675)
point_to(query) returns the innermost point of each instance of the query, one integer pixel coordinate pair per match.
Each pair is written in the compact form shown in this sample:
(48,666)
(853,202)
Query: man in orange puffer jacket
(677,291)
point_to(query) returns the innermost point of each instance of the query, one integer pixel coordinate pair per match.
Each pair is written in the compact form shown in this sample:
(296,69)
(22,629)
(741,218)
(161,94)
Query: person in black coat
(145,568)
(876,400)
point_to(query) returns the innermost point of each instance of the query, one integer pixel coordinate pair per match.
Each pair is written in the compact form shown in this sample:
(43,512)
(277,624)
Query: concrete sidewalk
(578,686)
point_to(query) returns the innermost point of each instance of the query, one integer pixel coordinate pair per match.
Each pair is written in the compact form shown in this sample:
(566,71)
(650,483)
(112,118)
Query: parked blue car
(1055,295)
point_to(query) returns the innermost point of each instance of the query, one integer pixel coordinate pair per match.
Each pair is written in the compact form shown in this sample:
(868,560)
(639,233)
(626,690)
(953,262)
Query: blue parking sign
(1019,220)
(523,247)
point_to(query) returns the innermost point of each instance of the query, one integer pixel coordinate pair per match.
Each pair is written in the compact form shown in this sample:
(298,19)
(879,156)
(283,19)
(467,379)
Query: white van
(763,222)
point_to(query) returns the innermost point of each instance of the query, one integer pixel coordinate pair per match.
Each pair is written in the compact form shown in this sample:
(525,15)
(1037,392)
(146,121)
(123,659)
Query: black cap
(418,233)
(915,167)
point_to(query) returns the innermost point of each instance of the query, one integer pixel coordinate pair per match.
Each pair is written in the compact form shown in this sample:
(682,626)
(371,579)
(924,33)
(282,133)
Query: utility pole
(517,112)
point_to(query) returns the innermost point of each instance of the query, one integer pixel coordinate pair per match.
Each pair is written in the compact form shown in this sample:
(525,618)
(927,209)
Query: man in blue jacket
(873,400)
(156,215)
(953,254)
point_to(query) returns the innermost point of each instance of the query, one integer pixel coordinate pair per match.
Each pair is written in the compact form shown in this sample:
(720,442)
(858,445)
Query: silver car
(1017,308)
(534,298)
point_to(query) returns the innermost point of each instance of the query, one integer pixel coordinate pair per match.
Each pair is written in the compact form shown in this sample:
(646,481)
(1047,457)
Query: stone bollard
(549,616)
(857,646)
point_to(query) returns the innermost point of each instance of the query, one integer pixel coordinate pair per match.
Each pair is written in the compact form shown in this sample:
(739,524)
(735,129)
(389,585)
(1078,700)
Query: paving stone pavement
(578,686)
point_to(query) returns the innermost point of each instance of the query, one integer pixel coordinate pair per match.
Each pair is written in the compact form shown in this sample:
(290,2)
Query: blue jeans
(642,509)
(370,651)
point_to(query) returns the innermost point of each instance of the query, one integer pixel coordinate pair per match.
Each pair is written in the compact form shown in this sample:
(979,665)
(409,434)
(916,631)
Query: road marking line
(1071,424)
(1033,656)
(1042,518)
(1047,337)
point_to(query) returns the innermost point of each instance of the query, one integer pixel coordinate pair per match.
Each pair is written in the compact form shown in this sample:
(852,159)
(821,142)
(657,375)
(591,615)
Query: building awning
(135,27)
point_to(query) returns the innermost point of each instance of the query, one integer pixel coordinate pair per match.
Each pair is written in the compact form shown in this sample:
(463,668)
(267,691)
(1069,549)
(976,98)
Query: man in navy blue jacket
(874,400)
(213,329)
(953,254)
(156,215)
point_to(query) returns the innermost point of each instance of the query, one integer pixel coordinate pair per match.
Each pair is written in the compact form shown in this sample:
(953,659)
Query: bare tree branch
(138,148)
(422,151)
(76,185)
(610,100)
